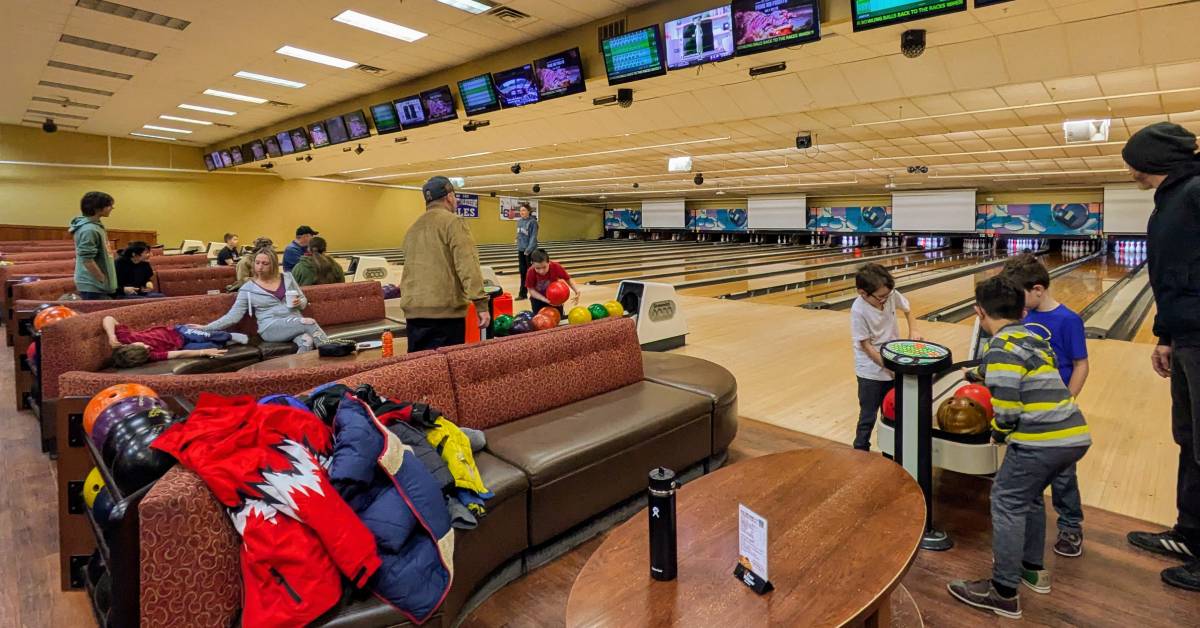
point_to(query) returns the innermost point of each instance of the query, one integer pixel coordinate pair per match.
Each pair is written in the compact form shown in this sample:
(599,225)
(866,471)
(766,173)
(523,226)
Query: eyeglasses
(881,299)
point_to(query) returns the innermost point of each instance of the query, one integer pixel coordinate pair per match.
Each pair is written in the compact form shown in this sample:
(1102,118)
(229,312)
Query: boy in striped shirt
(1046,434)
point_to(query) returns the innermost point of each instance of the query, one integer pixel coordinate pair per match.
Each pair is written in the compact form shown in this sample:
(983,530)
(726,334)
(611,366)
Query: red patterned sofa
(574,417)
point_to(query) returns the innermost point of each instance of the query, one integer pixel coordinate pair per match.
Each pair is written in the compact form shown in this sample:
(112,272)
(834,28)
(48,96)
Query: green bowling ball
(598,311)
(502,326)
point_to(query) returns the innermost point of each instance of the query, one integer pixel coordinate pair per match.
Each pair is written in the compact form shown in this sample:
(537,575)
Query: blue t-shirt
(1063,329)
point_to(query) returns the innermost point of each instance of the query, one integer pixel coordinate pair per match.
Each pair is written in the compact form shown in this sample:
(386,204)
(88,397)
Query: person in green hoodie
(95,274)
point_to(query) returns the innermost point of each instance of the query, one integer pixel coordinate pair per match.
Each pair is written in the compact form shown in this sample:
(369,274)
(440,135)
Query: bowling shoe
(1170,543)
(1185,577)
(1069,544)
(981,594)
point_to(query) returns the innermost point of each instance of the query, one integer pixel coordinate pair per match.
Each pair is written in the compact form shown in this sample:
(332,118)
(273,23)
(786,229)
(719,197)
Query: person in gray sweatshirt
(95,275)
(527,241)
(274,300)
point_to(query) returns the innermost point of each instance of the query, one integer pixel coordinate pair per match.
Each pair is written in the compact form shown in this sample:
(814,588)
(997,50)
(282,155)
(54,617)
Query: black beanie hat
(1159,148)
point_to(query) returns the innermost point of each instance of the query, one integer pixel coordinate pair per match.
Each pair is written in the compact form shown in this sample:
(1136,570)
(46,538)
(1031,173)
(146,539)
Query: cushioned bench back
(43,290)
(498,381)
(40,256)
(424,379)
(338,303)
(177,282)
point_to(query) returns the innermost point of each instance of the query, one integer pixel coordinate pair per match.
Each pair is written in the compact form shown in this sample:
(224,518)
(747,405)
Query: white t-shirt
(878,326)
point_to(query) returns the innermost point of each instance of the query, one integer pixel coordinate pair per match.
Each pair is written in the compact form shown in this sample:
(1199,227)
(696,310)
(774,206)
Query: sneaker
(1184,577)
(1038,581)
(1170,543)
(981,594)
(1070,544)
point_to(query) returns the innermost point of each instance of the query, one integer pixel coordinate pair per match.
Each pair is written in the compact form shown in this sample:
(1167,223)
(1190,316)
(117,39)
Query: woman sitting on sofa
(273,299)
(317,268)
(135,275)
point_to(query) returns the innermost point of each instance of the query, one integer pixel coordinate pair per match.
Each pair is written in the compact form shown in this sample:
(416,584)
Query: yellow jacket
(455,449)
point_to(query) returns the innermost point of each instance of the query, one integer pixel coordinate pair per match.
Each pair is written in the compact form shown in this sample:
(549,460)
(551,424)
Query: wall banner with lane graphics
(875,219)
(727,220)
(622,219)
(509,206)
(1070,219)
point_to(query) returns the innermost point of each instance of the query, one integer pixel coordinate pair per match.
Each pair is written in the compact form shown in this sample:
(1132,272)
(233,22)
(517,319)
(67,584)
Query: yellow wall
(200,205)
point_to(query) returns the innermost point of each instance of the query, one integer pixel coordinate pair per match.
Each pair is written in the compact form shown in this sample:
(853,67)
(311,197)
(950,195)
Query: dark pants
(199,339)
(523,264)
(1185,411)
(431,333)
(536,306)
(870,398)
(95,296)
(1067,503)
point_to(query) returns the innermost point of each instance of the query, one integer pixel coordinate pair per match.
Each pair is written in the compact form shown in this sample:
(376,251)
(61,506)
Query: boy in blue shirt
(1063,329)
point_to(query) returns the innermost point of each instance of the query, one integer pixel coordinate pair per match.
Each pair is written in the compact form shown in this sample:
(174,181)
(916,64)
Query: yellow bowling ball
(615,310)
(92,486)
(579,316)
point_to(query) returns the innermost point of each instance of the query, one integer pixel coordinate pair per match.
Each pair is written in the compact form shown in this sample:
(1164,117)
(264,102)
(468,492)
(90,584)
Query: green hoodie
(91,243)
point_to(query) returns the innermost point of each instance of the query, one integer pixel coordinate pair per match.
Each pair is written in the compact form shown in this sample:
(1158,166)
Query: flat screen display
(634,56)
(385,117)
(411,112)
(559,75)
(285,143)
(705,37)
(320,137)
(258,151)
(235,153)
(988,3)
(516,87)
(300,139)
(356,125)
(248,152)
(226,159)
(870,14)
(272,147)
(336,127)
(208,162)
(439,104)
(761,25)
(478,95)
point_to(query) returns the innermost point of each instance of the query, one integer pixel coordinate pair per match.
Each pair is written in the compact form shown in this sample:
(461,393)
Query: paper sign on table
(752,542)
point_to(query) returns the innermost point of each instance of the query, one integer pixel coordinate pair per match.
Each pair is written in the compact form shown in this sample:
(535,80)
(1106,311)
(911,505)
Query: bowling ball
(102,507)
(117,412)
(961,415)
(92,486)
(52,315)
(109,396)
(889,405)
(541,322)
(738,217)
(391,291)
(551,313)
(522,326)
(502,326)
(874,216)
(1071,215)
(127,431)
(524,315)
(579,316)
(558,292)
(615,310)
(980,394)
(137,464)
(598,311)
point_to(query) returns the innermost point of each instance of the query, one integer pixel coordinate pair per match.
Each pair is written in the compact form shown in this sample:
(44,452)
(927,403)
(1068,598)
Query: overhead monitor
(411,112)
(248,152)
(870,14)
(320,137)
(439,104)
(208,162)
(478,95)
(356,125)
(257,150)
(705,37)
(386,120)
(226,159)
(300,139)
(634,56)
(761,25)
(272,146)
(559,75)
(235,153)
(336,128)
(516,87)
(988,3)
(285,143)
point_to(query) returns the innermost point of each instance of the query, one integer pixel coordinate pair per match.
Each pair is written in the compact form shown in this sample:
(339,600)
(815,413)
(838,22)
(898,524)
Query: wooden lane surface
(1145,333)
(1078,288)
(801,296)
(843,530)
(690,264)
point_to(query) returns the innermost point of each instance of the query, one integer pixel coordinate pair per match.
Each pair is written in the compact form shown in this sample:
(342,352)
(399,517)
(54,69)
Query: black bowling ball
(137,464)
(123,432)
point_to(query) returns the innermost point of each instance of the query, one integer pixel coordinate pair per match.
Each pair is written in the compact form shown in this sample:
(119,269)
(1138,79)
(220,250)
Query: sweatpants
(1019,509)
(194,339)
(433,333)
(1185,412)
(306,337)
(523,266)
(870,399)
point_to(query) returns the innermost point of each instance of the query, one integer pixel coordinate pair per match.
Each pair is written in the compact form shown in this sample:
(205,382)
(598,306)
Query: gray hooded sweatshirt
(261,305)
(527,235)
(91,243)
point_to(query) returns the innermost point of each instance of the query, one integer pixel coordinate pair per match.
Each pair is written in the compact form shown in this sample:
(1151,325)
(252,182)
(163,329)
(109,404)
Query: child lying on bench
(154,344)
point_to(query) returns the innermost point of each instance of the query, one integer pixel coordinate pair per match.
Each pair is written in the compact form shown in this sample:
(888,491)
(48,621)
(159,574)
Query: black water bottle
(661,498)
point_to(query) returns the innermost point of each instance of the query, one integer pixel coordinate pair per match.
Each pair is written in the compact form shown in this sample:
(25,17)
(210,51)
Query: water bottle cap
(662,479)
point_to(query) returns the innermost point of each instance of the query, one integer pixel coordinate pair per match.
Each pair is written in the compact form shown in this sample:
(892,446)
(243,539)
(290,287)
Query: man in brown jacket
(441,273)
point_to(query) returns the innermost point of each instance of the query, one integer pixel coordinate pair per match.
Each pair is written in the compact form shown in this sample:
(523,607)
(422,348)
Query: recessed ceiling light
(376,25)
(164,128)
(315,57)
(355,170)
(470,6)
(220,112)
(486,152)
(188,120)
(155,137)
(232,96)
(263,78)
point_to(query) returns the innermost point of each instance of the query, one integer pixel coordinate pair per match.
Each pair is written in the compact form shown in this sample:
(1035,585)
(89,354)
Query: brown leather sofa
(574,417)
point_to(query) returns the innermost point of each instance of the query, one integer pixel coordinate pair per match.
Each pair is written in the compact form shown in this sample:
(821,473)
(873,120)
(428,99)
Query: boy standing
(1063,329)
(95,274)
(873,323)
(1046,434)
(543,272)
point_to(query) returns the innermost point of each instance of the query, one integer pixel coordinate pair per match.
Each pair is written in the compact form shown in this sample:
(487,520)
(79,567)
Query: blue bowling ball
(102,508)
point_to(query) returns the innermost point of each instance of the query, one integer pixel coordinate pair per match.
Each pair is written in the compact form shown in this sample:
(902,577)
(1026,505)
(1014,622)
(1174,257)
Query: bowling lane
(736,284)
(837,289)
(1145,333)
(699,264)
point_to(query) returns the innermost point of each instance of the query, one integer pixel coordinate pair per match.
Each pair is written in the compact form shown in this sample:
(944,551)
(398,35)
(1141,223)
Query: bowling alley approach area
(600,313)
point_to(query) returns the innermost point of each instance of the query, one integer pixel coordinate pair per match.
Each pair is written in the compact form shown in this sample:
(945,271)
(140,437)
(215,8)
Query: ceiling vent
(612,29)
(132,13)
(279,105)
(65,102)
(510,16)
(51,114)
(87,70)
(75,88)
(372,70)
(107,47)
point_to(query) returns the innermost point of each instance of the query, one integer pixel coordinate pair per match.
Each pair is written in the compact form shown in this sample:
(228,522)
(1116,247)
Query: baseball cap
(436,189)
(305,230)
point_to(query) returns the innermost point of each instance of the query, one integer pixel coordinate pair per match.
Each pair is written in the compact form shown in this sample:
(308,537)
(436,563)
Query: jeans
(523,265)
(425,334)
(305,336)
(1019,509)
(870,398)
(1185,410)
(95,296)
(199,339)
(1064,491)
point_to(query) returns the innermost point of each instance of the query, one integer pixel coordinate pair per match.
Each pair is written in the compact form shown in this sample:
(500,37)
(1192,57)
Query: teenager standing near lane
(95,275)
(527,241)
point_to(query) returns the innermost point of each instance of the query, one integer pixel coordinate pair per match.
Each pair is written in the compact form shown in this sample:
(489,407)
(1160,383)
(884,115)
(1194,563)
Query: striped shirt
(1032,404)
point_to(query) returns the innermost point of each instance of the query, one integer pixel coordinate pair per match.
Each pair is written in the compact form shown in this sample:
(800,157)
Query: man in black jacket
(1163,157)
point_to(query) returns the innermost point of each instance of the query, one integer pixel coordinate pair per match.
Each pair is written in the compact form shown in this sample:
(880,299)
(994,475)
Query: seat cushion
(502,479)
(236,357)
(364,330)
(270,350)
(692,374)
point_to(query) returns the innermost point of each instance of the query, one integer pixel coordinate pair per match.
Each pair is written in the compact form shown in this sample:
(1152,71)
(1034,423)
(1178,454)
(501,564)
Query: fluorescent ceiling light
(220,112)
(470,6)
(155,137)
(164,128)
(316,57)
(232,96)
(263,78)
(486,152)
(458,182)
(997,175)
(355,170)
(376,25)
(188,120)
(1086,131)
(1026,149)
(679,164)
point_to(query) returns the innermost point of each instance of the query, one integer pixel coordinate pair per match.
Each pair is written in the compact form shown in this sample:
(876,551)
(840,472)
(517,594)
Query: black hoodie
(1173,251)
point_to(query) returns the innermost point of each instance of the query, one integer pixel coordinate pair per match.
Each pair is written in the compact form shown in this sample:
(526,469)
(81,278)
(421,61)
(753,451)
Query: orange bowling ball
(551,313)
(109,396)
(52,315)
(541,321)
(962,415)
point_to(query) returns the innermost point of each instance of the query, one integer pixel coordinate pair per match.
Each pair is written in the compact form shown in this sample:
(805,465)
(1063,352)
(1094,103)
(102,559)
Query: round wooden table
(310,359)
(843,528)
